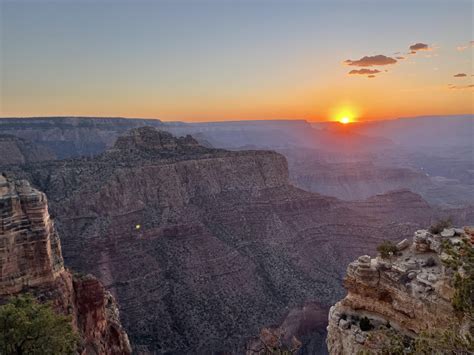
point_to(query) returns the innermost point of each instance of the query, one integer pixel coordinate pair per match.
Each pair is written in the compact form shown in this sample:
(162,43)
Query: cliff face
(354,180)
(31,261)
(18,151)
(406,296)
(72,136)
(204,247)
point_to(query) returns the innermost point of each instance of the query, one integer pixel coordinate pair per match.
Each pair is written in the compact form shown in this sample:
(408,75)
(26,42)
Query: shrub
(365,325)
(387,249)
(461,260)
(28,327)
(463,300)
(439,226)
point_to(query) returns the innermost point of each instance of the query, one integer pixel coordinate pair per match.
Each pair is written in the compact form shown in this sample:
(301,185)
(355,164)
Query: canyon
(205,248)
(431,156)
(31,262)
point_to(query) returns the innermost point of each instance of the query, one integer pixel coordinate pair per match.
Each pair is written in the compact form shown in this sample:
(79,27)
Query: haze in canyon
(236,177)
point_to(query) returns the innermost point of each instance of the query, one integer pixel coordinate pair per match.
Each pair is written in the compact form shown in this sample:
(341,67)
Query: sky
(236,59)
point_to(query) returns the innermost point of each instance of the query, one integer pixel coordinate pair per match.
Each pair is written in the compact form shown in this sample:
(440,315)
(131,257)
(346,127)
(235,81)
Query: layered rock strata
(31,261)
(402,296)
(204,247)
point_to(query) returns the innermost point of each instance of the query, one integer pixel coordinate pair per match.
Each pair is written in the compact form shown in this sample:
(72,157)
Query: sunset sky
(236,59)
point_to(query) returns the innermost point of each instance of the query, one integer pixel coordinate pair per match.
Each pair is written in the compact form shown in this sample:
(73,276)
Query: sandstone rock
(364,261)
(403,244)
(31,261)
(344,324)
(421,304)
(359,338)
(448,233)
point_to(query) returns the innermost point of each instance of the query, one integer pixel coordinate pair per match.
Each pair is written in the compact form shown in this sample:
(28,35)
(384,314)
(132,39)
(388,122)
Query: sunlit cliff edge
(415,298)
(31,262)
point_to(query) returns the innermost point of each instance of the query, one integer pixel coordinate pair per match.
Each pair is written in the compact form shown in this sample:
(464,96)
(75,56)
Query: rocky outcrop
(31,261)
(30,251)
(407,294)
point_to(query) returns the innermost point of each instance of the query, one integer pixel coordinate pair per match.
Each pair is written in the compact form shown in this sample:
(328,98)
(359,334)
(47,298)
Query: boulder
(403,244)
(448,233)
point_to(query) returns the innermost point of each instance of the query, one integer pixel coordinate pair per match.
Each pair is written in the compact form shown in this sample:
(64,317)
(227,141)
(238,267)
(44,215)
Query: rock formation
(204,247)
(31,261)
(406,299)
(15,150)
(72,136)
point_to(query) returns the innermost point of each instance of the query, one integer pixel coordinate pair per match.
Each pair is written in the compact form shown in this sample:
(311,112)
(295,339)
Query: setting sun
(345,120)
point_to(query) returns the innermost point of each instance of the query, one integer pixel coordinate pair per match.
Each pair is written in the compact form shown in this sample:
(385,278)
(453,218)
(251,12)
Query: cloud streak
(460,75)
(364,71)
(461,87)
(370,61)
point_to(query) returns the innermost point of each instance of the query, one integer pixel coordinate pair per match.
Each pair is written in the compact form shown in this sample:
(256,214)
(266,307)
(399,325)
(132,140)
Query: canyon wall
(203,247)
(31,261)
(19,151)
(72,136)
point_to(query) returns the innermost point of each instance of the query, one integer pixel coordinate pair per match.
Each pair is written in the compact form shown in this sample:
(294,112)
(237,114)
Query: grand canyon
(205,247)
(236,177)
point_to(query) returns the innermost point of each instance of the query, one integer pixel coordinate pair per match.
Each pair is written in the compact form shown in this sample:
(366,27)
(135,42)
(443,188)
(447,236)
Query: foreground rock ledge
(31,261)
(404,295)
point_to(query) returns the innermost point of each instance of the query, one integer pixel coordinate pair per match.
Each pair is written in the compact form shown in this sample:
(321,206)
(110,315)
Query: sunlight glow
(345,120)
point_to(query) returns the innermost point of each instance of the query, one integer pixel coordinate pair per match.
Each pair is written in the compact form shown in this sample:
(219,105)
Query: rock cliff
(19,151)
(31,261)
(72,136)
(415,298)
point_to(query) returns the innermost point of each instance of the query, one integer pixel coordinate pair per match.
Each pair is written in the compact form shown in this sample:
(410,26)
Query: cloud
(371,76)
(364,71)
(369,61)
(461,48)
(400,58)
(462,87)
(419,47)
(460,75)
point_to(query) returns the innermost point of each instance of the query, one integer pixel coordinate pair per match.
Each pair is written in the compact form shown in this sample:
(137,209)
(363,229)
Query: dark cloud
(369,61)
(364,71)
(400,58)
(371,76)
(460,75)
(419,47)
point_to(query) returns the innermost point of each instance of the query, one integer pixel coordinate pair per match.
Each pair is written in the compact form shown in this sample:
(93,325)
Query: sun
(345,120)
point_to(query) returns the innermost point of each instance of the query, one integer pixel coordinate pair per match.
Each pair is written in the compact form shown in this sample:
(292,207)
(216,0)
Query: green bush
(386,249)
(461,260)
(439,226)
(28,327)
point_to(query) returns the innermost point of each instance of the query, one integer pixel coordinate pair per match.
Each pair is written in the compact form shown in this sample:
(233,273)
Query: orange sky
(209,61)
